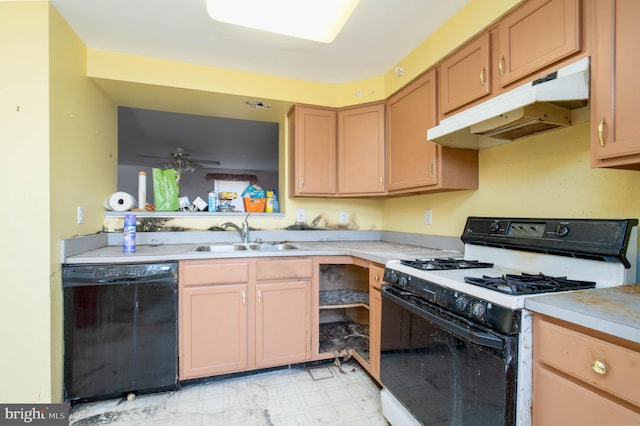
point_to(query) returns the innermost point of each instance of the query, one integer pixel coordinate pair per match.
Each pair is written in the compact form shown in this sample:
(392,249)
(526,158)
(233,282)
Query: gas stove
(508,260)
(442,318)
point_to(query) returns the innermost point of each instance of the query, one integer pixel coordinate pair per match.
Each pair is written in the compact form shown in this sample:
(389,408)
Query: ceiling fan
(181,162)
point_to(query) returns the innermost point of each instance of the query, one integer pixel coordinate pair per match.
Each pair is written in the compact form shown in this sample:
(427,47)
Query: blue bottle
(129,234)
(276,205)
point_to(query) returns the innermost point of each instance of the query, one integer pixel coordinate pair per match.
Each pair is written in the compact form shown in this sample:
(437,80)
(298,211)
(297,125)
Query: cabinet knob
(600,132)
(377,278)
(483,73)
(599,367)
(501,65)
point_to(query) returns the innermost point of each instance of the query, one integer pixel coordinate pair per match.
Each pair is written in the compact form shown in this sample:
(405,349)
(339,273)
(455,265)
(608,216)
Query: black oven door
(442,368)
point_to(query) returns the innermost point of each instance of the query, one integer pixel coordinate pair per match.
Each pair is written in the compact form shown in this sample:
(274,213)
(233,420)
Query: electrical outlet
(301,216)
(80,215)
(344,217)
(427,217)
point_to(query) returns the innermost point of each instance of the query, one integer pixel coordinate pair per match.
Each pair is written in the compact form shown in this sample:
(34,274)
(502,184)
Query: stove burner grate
(445,263)
(529,283)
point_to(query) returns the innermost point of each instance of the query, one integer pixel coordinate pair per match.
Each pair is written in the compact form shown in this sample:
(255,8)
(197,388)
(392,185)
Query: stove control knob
(495,227)
(478,310)
(562,230)
(462,303)
(402,281)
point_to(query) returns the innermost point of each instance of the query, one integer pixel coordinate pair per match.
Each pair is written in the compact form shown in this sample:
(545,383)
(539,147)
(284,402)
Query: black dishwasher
(120,329)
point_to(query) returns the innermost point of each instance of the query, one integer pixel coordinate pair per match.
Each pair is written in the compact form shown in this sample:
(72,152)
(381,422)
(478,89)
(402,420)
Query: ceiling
(375,38)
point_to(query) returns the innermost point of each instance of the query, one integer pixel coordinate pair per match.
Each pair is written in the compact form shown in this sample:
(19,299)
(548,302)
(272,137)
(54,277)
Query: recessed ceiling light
(317,20)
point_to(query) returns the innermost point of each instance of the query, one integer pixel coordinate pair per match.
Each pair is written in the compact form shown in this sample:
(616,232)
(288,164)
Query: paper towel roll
(120,202)
(142,189)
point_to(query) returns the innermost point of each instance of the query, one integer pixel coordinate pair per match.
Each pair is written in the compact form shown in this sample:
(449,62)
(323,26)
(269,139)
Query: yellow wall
(547,175)
(51,115)
(83,158)
(25,252)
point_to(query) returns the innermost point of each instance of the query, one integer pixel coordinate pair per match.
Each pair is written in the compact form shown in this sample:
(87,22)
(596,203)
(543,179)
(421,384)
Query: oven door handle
(479,338)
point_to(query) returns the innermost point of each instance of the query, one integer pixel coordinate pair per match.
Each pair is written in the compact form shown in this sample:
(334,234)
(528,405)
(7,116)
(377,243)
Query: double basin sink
(223,248)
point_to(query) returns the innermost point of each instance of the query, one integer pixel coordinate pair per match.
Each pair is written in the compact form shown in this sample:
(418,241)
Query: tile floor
(315,395)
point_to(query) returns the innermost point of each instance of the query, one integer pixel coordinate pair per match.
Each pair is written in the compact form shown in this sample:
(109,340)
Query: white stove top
(604,274)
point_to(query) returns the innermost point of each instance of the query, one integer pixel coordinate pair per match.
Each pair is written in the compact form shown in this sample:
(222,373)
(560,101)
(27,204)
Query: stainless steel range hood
(538,106)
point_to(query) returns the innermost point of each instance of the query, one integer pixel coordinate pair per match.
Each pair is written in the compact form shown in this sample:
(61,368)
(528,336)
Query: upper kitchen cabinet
(415,164)
(615,107)
(536,35)
(312,151)
(466,75)
(361,150)
(411,159)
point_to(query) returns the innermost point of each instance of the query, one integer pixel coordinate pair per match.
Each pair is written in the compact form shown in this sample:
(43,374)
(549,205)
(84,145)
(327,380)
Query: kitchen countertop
(614,311)
(374,251)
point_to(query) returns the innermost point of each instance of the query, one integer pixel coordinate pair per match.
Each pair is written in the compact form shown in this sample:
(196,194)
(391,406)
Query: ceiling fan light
(318,20)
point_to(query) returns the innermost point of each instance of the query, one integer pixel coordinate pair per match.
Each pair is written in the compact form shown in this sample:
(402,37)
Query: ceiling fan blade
(210,162)
(151,156)
(210,165)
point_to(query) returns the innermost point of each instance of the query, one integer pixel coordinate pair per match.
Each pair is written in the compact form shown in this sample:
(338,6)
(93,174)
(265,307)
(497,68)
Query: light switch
(427,217)
(301,216)
(80,215)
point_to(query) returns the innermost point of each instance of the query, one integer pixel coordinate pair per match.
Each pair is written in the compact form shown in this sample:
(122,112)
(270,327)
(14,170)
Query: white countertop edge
(592,321)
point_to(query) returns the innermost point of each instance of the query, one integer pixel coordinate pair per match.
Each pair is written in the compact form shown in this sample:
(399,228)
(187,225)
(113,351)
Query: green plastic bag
(165,190)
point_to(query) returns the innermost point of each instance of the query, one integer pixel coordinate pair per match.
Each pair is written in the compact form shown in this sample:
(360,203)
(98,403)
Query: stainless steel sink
(224,248)
(221,248)
(272,247)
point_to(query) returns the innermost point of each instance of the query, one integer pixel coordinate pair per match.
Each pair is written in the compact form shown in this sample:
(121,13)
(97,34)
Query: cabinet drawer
(559,401)
(283,269)
(215,272)
(574,353)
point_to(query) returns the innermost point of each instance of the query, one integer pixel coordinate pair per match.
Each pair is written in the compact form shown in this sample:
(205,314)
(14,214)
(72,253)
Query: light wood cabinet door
(213,330)
(466,75)
(615,127)
(312,150)
(536,35)
(361,149)
(282,323)
(411,159)
(375,319)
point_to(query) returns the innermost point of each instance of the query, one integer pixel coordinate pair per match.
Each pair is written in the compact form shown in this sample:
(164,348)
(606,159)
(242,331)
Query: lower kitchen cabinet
(213,319)
(375,318)
(282,323)
(348,311)
(209,316)
(583,377)
(242,314)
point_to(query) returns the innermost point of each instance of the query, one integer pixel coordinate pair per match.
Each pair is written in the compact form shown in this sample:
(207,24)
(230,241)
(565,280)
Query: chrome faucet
(245,229)
(244,232)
